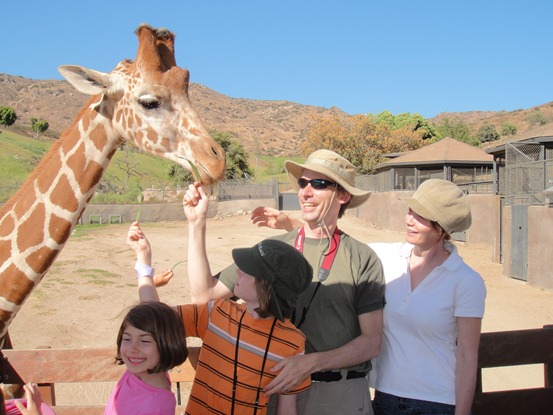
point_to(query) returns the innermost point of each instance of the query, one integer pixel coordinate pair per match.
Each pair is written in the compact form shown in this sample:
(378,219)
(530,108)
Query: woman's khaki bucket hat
(443,202)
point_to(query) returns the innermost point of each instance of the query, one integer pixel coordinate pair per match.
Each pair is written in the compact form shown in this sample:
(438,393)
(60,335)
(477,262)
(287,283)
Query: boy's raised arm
(203,286)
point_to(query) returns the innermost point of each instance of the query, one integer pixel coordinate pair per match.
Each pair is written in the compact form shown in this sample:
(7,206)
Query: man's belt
(335,376)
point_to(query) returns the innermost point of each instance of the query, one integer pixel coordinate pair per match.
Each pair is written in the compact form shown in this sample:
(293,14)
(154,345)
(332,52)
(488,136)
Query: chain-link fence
(528,172)
(8,189)
(473,179)
(246,189)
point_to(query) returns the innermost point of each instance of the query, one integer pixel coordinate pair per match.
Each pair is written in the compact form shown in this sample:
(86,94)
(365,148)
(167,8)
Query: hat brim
(421,210)
(358,196)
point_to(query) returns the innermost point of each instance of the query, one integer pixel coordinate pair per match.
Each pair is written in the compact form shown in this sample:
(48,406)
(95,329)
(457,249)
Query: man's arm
(203,286)
(364,347)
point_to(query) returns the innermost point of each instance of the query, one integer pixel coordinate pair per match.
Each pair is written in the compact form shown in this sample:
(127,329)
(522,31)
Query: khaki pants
(344,397)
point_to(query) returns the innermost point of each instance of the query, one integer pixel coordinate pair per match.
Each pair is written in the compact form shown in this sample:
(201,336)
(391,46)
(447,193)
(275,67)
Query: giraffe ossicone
(144,102)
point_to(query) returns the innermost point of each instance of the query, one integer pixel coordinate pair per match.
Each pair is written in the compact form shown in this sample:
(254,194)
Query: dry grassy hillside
(496,118)
(263,127)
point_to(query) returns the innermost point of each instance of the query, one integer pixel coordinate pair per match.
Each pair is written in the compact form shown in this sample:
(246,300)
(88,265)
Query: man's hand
(273,218)
(293,371)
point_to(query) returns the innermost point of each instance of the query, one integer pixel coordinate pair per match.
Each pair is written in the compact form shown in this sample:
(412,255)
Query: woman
(434,308)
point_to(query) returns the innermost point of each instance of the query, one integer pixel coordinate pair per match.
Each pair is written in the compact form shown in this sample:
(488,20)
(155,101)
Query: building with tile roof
(468,166)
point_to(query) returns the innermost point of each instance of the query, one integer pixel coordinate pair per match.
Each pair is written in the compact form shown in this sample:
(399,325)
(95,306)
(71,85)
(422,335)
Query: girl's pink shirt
(133,396)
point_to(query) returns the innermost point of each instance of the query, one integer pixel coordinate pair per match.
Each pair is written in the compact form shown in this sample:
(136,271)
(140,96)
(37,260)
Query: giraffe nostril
(216,152)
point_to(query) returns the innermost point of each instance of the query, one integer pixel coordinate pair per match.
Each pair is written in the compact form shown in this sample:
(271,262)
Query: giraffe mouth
(195,173)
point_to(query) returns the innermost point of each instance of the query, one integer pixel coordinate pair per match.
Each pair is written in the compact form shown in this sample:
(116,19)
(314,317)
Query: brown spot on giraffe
(5,254)
(7,226)
(59,229)
(42,259)
(31,231)
(14,285)
(87,172)
(63,195)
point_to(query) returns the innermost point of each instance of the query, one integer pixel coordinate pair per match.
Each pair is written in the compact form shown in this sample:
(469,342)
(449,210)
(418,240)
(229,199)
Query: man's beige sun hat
(335,167)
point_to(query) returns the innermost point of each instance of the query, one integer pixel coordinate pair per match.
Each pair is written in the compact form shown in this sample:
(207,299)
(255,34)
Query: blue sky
(423,57)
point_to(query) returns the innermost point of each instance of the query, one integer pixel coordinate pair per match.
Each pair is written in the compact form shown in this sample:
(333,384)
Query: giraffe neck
(36,223)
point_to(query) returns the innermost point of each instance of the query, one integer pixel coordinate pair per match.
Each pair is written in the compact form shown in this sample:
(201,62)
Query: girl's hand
(163,278)
(137,241)
(34,400)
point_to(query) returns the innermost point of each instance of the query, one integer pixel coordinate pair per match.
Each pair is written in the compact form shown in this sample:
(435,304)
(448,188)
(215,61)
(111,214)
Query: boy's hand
(195,203)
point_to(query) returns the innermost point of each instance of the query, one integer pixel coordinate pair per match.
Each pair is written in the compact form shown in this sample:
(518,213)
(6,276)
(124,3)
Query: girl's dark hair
(262,288)
(166,327)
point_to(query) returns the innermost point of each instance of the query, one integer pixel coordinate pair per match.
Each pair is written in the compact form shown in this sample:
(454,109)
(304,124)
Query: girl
(151,340)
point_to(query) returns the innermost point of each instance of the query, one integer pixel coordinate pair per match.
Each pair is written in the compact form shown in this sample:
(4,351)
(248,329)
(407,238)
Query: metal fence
(246,189)
(475,179)
(8,189)
(528,172)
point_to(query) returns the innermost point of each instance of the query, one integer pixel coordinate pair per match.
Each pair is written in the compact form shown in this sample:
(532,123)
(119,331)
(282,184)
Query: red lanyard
(329,256)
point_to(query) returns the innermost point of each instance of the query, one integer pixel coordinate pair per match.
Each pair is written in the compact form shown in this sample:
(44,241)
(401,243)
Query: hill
(263,127)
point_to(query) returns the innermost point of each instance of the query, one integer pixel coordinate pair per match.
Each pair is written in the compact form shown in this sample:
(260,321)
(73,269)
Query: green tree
(508,129)
(536,118)
(236,159)
(487,132)
(457,129)
(236,155)
(7,116)
(39,126)
(361,140)
(414,121)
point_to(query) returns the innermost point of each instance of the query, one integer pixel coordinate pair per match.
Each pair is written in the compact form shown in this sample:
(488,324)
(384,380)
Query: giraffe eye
(149,102)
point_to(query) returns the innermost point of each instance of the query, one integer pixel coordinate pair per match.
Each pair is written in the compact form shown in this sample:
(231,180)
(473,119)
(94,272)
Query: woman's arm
(468,340)
(274,218)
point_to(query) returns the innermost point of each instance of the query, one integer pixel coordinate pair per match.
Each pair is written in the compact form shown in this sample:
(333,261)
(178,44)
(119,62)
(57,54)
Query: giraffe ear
(85,80)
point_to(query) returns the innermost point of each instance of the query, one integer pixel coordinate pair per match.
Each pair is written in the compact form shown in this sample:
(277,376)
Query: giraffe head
(146,102)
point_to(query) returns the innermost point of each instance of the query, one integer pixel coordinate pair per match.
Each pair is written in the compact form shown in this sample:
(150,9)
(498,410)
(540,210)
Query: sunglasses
(317,184)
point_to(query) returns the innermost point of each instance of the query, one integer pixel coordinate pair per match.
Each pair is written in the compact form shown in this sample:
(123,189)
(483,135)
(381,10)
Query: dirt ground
(82,299)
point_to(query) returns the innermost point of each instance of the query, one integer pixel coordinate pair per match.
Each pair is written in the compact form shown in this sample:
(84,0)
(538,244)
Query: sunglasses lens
(317,184)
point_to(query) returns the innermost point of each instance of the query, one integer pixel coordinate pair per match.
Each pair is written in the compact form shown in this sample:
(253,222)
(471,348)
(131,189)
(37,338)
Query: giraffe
(145,102)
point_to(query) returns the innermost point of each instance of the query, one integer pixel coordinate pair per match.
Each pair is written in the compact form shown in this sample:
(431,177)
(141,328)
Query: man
(341,311)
